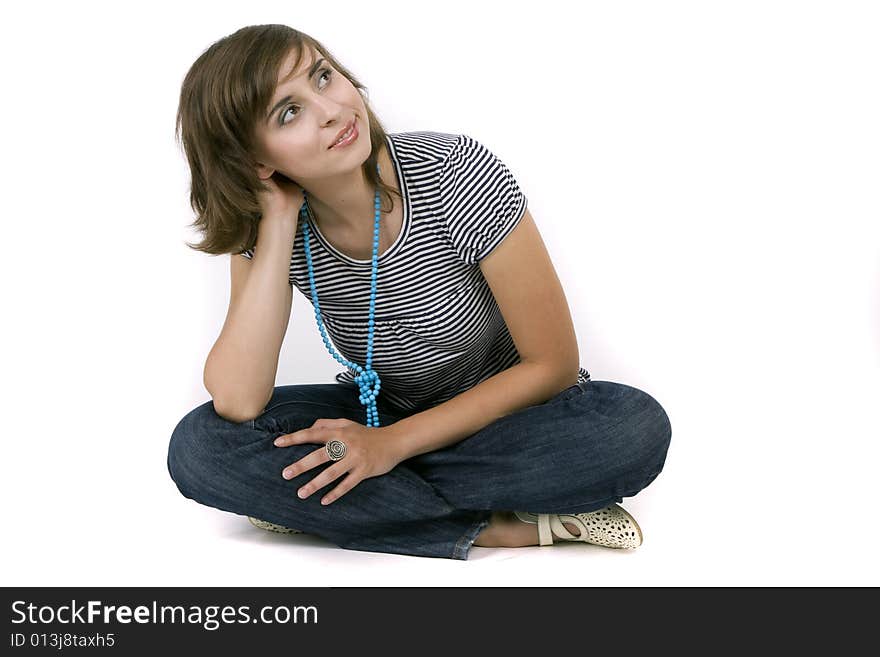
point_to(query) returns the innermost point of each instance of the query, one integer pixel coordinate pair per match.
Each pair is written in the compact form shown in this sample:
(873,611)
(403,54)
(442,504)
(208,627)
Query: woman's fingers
(344,486)
(311,435)
(328,476)
(317,433)
(314,458)
(321,432)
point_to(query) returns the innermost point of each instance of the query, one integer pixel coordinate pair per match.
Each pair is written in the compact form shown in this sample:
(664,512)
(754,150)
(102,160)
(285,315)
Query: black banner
(134,620)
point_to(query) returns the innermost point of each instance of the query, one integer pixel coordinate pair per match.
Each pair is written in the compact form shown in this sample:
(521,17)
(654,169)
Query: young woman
(463,416)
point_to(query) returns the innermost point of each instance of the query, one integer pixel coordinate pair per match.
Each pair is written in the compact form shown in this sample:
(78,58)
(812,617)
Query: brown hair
(225,92)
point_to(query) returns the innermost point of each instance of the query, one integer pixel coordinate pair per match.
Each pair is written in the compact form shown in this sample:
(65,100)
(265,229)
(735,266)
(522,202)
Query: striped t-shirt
(437,328)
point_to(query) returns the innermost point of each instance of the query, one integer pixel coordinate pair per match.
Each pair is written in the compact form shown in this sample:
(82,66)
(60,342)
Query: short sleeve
(481,201)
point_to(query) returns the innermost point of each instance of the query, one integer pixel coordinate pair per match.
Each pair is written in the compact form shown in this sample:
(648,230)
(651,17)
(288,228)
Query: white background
(704,175)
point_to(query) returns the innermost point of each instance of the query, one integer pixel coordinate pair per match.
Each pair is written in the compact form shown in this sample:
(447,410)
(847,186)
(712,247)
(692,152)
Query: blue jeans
(589,446)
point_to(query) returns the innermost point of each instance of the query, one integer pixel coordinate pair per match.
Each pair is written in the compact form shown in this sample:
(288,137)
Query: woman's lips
(351,139)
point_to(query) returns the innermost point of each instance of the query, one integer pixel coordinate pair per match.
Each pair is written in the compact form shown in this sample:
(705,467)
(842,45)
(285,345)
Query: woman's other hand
(369,452)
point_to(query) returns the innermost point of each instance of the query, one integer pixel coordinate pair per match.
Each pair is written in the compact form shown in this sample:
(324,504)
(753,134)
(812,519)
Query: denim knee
(179,451)
(655,435)
(190,450)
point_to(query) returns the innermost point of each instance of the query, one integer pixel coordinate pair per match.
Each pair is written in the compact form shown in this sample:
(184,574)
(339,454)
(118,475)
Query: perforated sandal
(609,527)
(272,527)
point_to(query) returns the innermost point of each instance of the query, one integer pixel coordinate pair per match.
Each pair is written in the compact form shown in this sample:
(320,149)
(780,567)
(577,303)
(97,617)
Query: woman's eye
(284,113)
(325,72)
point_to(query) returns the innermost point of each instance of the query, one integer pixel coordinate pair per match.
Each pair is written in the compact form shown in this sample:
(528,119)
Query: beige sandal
(272,527)
(610,527)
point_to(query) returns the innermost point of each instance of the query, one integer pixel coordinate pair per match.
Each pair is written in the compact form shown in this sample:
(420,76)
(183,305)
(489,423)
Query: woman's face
(308,110)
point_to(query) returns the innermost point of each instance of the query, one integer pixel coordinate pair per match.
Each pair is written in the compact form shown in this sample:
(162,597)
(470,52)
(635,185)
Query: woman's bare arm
(241,367)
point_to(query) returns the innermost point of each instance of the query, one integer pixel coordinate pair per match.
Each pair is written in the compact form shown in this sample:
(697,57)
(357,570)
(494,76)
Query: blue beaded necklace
(367,378)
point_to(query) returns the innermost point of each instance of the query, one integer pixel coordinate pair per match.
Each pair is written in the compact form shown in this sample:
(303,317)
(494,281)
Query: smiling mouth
(347,135)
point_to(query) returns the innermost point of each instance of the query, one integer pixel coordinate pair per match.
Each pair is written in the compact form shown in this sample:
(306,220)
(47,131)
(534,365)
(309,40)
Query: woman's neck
(346,205)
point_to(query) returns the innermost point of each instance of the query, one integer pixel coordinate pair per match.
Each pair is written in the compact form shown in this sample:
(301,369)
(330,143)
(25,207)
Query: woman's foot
(506,530)
(611,526)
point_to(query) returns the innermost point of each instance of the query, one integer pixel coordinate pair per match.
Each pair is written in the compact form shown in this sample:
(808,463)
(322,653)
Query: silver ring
(335,449)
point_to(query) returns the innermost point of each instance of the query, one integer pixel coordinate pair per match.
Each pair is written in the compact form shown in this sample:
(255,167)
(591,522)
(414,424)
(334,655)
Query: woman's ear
(264,172)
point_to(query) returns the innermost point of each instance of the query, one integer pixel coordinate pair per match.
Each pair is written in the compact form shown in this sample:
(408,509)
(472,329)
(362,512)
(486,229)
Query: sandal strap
(560,530)
(549,525)
(545,534)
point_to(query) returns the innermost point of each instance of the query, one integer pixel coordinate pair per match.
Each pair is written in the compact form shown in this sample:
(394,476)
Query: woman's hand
(369,452)
(281,197)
